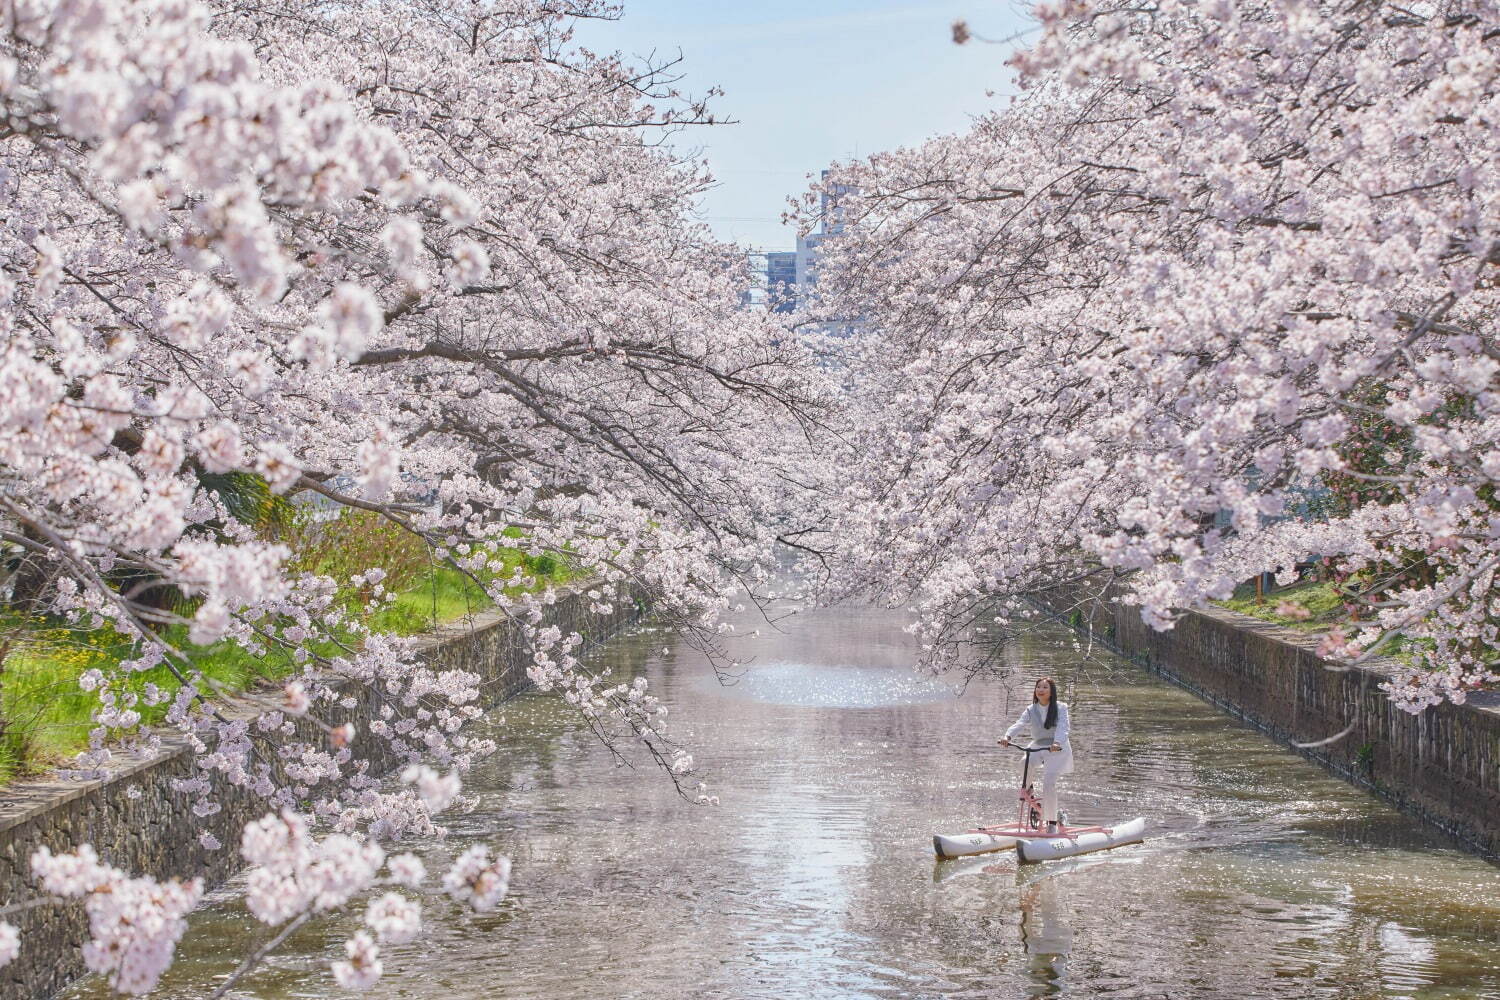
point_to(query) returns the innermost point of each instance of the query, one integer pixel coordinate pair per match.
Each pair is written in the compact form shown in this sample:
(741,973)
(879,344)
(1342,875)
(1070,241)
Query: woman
(1048,720)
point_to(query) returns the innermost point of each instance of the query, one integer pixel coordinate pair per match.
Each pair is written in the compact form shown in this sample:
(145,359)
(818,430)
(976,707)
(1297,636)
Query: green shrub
(45,715)
(1322,603)
(353,543)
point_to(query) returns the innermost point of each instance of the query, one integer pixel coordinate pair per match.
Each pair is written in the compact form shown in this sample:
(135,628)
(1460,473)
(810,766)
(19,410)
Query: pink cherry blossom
(134,923)
(437,791)
(407,869)
(1207,300)
(477,880)
(10,944)
(394,918)
(362,969)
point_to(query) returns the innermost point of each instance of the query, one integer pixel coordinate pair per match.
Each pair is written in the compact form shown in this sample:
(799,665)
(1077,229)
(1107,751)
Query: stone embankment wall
(1442,765)
(137,822)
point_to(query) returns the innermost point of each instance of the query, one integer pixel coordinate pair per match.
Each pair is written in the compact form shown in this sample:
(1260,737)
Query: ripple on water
(808,685)
(1261,876)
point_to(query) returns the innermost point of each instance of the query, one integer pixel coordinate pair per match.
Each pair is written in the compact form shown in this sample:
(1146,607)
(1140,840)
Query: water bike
(1030,836)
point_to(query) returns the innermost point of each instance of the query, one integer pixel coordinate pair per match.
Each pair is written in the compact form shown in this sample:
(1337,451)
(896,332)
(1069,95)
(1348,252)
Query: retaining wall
(1442,765)
(137,822)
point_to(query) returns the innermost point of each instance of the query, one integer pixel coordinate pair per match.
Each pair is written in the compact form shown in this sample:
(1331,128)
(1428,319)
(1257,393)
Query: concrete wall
(1442,766)
(138,823)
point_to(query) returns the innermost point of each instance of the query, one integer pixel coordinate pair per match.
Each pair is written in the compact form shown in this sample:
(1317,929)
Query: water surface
(814,877)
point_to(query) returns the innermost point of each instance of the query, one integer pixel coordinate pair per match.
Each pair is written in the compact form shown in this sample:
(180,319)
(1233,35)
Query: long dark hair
(1051,722)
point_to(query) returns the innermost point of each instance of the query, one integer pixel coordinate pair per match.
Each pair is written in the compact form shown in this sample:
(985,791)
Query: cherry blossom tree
(136,922)
(427,259)
(1111,334)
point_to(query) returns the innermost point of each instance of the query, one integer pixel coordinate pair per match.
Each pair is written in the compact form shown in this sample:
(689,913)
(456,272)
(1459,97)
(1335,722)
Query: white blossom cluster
(477,879)
(10,943)
(425,259)
(1218,260)
(134,923)
(294,873)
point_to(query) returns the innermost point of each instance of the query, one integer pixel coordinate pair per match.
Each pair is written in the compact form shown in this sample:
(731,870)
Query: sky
(811,83)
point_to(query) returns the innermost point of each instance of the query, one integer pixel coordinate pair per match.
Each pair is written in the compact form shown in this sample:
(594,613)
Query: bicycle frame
(1030,816)
(1031,840)
(1028,822)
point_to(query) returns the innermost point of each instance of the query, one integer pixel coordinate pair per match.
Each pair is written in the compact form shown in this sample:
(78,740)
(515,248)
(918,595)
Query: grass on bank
(1325,609)
(45,714)
(1322,603)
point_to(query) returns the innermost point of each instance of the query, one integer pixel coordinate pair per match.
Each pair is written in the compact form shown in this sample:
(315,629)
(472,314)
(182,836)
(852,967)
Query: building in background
(754,295)
(781,280)
(807,263)
(773,280)
(830,223)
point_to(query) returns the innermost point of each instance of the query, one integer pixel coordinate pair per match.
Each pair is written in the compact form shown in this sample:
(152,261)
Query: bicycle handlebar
(1026,749)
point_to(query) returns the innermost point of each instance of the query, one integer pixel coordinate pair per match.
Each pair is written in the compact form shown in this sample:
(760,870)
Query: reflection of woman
(1044,925)
(1047,718)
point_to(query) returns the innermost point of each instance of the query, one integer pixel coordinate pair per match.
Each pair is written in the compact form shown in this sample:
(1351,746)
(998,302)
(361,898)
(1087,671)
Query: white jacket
(1035,718)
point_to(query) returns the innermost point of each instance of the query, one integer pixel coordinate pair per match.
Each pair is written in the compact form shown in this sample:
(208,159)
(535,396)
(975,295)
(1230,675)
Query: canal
(814,876)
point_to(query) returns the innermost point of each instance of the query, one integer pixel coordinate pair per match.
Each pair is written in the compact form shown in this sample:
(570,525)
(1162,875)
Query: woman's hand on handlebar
(1003,741)
(1055,748)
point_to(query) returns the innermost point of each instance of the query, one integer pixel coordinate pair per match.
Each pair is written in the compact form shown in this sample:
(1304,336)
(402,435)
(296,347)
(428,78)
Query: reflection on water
(1045,933)
(1262,876)
(822,686)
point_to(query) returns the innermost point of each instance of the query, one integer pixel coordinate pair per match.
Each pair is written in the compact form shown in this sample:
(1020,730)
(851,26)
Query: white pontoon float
(1031,839)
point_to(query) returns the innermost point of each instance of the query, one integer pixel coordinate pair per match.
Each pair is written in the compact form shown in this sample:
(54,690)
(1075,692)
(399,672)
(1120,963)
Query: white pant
(1054,766)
